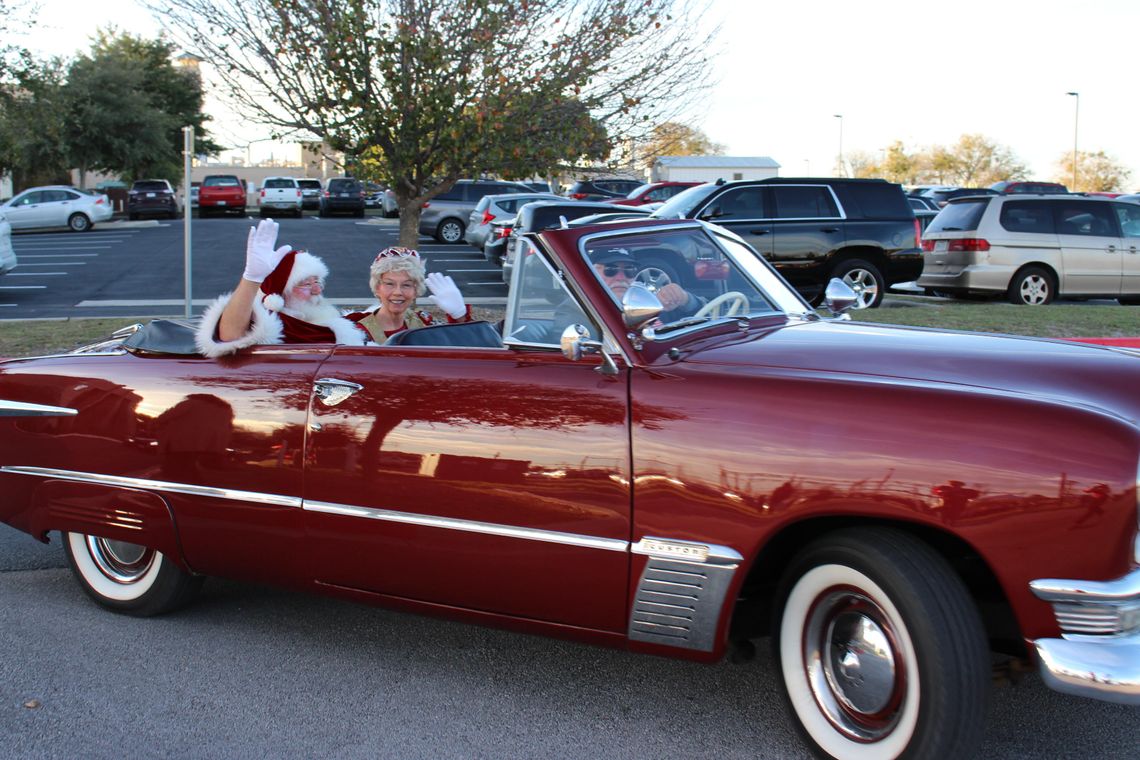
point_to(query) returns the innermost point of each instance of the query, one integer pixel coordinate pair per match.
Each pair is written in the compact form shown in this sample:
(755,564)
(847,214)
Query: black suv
(859,230)
(602,189)
(152,196)
(344,195)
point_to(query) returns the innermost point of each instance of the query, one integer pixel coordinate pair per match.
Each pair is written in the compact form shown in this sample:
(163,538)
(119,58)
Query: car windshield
(699,277)
(314,184)
(150,186)
(220,182)
(959,216)
(271,184)
(681,205)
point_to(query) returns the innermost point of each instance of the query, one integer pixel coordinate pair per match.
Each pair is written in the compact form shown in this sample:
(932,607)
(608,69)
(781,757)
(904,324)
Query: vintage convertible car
(889,505)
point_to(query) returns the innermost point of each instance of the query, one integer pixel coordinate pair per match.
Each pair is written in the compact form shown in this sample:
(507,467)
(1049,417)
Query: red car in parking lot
(653,192)
(221,194)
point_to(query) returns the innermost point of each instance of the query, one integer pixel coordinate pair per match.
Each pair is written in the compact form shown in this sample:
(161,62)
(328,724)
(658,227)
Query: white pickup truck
(280,195)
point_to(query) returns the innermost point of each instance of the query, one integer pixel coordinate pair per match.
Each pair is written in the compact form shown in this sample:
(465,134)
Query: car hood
(1073,373)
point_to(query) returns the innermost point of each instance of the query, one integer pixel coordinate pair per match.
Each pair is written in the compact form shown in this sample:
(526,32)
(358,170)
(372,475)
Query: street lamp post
(842,170)
(1076,122)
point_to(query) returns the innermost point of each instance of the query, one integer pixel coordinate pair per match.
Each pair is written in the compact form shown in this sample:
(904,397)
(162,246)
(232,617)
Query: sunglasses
(396,252)
(611,270)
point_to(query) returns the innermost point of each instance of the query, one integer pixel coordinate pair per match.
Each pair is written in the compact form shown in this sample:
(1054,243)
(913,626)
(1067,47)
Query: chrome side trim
(678,602)
(666,548)
(22,409)
(121,481)
(470,526)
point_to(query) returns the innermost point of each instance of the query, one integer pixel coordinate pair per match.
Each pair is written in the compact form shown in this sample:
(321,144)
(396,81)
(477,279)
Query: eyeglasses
(611,270)
(396,252)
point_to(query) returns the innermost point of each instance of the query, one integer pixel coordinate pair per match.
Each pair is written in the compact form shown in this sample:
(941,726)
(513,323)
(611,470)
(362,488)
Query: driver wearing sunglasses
(618,269)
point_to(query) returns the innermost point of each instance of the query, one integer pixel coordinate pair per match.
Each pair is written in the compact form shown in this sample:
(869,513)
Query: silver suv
(445,216)
(1034,248)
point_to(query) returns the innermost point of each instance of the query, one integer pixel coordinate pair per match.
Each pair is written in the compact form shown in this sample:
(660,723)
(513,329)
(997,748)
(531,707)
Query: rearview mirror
(639,306)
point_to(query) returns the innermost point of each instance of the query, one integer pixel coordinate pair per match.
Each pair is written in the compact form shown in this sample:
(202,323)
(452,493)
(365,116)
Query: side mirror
(839,297)
(576,343)
(639,306)
(712,212)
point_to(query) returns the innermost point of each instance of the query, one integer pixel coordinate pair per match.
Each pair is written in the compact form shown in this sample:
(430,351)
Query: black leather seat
(462,334)
(164,336)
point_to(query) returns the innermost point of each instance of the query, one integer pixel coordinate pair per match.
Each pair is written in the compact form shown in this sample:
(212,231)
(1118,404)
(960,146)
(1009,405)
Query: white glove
(260,258)
(445,295)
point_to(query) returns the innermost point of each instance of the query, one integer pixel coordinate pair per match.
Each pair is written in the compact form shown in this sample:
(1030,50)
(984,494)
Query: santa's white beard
(315,310)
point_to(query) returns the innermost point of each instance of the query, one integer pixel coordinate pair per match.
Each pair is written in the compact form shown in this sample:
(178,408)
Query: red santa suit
(316,321)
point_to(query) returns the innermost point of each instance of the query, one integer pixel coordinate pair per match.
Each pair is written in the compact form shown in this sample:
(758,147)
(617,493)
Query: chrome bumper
(1098,655)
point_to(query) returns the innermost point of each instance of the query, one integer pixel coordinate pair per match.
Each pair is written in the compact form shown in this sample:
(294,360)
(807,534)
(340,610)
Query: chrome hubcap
(865,285)
(854,665)
(1034,290)
(120,561)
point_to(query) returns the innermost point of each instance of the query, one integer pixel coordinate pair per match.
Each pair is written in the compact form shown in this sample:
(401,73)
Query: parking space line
(53,264)
(23,287)
(499,282)
(36,274)
(54,255)
(18,249)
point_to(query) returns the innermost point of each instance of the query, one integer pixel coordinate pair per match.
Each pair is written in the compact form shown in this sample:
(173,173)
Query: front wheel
(126,577)
(880,649)
(865,279)
(79,223)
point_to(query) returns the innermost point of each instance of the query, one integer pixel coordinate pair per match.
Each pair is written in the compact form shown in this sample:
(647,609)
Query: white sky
(921,72)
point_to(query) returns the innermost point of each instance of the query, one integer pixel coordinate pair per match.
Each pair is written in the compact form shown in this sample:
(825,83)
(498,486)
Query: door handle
(757,232)
(1111,248)
(829,229)
(330,391)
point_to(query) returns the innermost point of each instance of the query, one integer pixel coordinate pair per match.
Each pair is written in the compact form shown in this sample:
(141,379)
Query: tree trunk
(409,223)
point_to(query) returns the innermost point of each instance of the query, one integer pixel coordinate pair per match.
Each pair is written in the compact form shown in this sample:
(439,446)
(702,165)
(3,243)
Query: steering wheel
(739,305)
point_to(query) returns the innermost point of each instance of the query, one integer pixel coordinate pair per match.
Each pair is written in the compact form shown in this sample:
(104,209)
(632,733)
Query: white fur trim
(347,332)
(266,327)
(325,314)
(273,302)
(306,265)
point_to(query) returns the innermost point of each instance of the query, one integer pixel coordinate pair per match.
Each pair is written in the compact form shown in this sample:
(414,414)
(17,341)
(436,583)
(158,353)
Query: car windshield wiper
(671,326)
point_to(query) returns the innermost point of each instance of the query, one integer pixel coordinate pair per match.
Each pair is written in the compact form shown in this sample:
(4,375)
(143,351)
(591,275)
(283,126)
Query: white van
(1034,248)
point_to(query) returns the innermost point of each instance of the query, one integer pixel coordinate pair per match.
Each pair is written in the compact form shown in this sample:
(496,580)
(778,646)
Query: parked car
(606,189)
(653,192)
(194,188)
(540,187)
(373,195)
(153,197)
(7,252)
(1130,197)
(813,229)
(941,196)
(894,508)
(445,216)
(923,202)
(311,190)
(56,206)
(221,194)
(921,207)
(389,205)
(1034,249)
(542,215)
(495,249)
(280,195)
(343,195)
(492,207)
(1013,187)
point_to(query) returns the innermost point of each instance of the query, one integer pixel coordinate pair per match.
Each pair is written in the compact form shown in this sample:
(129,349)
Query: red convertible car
(889,506)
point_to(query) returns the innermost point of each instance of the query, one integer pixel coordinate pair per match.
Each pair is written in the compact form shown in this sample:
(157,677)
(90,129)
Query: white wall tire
(880,649)
(126,577)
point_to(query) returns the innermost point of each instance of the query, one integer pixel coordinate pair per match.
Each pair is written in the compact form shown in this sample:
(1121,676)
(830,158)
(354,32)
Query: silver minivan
(1034,248)
(445,216)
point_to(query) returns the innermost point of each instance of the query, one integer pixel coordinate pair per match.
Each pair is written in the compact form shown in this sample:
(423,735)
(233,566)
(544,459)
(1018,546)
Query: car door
(744,210)
(1091,247)
(1128,215)
(28,210)
(491,479)
(807,226)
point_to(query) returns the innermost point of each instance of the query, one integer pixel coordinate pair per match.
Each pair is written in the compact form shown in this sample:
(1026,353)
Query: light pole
(842,170)
(1076,122)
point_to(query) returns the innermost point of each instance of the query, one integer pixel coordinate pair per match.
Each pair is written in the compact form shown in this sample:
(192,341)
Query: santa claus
(278,300)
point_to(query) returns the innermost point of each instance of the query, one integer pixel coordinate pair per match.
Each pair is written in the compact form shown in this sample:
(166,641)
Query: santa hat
(296,266)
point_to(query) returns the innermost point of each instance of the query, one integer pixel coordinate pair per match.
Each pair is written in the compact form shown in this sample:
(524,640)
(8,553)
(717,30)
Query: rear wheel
(865,279)
(450,231)
(79,223)
(880,649)
(126,577)
(359,213)
(1032,286)
(132,217)
(1129,300)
